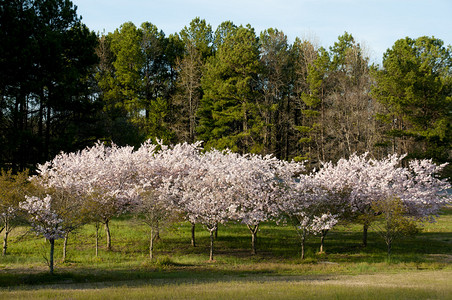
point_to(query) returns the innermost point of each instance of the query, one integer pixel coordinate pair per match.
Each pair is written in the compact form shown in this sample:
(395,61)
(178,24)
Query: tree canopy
(63,87)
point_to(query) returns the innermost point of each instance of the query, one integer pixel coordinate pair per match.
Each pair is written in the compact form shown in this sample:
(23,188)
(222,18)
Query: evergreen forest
(64,87)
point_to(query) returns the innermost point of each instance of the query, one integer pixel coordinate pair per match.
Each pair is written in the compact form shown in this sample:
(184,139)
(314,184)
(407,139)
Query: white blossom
(44,220)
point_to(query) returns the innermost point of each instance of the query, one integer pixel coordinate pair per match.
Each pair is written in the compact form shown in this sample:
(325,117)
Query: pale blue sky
(376,24)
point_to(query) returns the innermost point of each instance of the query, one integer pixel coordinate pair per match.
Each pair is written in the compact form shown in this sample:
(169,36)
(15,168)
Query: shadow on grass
(446,211)
(83,278)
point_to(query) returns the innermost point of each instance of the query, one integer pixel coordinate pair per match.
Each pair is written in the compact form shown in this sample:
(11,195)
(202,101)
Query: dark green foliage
(314,106)
(415,86)
(47,56)
(228,112)
(136,79)
(62,88)
(276,106)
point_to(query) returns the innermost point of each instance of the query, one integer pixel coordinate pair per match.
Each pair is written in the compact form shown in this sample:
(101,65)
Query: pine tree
(197,40)
(314,106)
(415,87)
(228,117)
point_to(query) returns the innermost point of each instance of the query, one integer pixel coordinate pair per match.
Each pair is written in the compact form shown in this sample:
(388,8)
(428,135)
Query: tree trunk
(245,126)
(365,228)
(47,131)
(20,126)
(253,230)
(41,123)
(322,240)
(216,232)
(286,130)
(5,241)
(153,239)
(52,249)
(157,234)
(389,250)
(302,246)
(193,242)
(97,239)
(212,238)
(151,245)
(66,236)
(107,231)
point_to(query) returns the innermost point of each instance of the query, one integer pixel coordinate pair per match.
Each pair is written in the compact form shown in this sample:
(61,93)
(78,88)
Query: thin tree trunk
(15,116)
(365,228)
(212,238)
(52,250)
(5,240)
(157,234)
(322,237)
(41,122)
(322,128)
(107,231)
(151,245)
(216,232)
(245,126)
(191,122)
(66,236)
(389,250)
(253,230)
(286,130)
(21,109)
(97,239)
(193,242)
(303,238)
(322,240)
(47,131)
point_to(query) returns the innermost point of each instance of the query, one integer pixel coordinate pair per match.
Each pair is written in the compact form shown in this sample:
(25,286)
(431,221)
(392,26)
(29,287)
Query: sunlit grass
(182,271)
(416,285)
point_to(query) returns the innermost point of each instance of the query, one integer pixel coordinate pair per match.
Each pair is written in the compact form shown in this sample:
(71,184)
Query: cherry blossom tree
(154,208)
(65,177)
(365,181)
(102,177)
(415,196)
(258,183)
(421,190)
(206,193)
(45,221)
(305,206)
(57,182)
(159,182)
(346,182)
(64,201)
(156,213)
(113,183)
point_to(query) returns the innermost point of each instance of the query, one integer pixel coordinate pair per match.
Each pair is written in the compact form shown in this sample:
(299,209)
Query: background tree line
(63,87)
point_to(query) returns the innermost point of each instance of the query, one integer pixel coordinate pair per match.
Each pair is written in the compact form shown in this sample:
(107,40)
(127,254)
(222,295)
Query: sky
(375,24)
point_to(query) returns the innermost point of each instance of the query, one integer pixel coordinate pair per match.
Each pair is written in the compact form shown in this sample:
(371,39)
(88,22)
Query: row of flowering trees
(158,182)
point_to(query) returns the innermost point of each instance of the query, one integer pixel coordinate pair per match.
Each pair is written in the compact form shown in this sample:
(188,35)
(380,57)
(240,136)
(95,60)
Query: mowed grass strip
(407,285)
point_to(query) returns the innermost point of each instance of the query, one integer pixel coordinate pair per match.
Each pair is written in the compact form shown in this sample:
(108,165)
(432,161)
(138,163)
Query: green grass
(413,285)
(420,267)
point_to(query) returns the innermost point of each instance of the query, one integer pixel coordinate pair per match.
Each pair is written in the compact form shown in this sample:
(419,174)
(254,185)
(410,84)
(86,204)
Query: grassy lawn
(420,268)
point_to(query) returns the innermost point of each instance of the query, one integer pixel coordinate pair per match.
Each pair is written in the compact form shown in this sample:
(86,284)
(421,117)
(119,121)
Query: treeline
(63,87)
